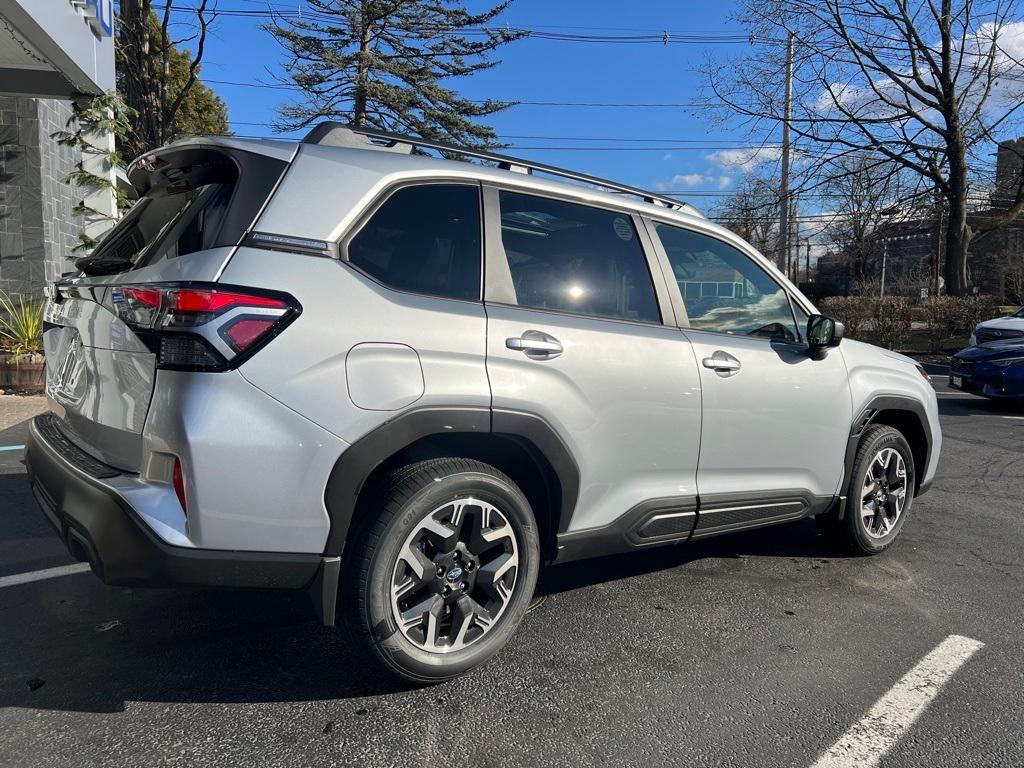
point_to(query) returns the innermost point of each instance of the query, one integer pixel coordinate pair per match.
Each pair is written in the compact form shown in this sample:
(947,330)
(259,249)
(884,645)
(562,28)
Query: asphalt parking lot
(759,649)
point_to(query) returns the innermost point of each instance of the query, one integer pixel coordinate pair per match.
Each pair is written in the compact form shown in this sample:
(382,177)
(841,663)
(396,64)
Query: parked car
(404,382)
(999,329)
(994,369)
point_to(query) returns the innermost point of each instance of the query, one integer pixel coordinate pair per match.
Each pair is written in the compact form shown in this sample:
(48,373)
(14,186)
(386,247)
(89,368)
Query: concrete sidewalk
(14,409)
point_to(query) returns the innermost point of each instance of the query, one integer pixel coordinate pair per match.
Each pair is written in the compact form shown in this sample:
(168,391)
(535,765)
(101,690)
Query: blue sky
(689,152)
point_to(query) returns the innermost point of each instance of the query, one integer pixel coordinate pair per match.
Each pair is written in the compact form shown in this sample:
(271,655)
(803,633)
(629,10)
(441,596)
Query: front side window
(723,289)
(576,258)
(424,239)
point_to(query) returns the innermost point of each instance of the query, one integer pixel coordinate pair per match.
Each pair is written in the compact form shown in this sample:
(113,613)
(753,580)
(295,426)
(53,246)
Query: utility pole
(885,253)
(807,261)
(940,240)
(784,237)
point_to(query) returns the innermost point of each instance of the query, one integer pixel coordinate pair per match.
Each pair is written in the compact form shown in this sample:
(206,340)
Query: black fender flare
(867,417)
(360,459)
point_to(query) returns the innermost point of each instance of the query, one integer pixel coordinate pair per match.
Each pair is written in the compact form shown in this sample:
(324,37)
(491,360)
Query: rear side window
(576,258)
(424,239)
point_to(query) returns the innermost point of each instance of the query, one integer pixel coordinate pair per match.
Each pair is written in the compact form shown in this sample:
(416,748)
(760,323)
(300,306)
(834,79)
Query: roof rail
(335,134)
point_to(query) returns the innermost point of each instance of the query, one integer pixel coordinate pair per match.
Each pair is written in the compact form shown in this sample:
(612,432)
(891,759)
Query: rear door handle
(536,345)
(722,363)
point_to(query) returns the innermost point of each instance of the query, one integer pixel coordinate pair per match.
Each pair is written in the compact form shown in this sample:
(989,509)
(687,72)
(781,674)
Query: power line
(630,104)
(539,32)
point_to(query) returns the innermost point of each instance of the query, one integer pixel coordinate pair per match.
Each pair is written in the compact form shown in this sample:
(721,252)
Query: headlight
(1008,361)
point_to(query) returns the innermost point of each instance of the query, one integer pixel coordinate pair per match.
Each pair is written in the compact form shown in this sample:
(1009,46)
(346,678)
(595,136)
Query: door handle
(536,345)
(722,363)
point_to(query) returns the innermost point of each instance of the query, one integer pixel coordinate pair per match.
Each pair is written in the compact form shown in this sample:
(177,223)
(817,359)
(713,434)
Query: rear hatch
(196,202)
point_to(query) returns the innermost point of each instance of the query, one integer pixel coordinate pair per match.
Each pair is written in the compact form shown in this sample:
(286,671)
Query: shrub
(891,317)
(940,318)
(21,325)
(972,310)
(853,312)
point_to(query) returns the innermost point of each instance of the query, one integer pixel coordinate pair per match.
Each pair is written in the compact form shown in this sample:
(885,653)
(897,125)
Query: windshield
(162,227)
(191,199)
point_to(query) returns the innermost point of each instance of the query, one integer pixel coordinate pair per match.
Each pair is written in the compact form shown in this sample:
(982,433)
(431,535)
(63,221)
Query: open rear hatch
(196,202)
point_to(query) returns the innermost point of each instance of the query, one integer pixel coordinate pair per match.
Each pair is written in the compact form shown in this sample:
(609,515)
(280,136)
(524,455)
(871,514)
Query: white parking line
(11,448)
(867,741)
(48,573)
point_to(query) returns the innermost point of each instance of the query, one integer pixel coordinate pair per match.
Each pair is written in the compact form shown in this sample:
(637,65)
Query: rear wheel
(442,571)
(880,492)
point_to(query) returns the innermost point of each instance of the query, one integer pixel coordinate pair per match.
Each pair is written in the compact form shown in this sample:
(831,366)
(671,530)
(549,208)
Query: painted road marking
(1013,417)
(48,573)
(11,448)
(868,740)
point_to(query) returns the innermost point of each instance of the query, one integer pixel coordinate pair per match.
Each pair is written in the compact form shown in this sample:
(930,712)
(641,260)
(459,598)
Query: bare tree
(752,212)
(152,77)
(864,195)
(926,85)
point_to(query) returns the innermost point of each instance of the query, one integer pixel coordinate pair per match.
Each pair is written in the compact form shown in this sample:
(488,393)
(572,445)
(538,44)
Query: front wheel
(880,492)
(442,571)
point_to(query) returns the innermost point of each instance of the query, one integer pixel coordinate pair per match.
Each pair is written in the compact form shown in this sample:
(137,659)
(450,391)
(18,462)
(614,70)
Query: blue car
(994,369)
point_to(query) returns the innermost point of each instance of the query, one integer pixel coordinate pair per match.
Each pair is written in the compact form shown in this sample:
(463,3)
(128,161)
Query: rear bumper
(98,526)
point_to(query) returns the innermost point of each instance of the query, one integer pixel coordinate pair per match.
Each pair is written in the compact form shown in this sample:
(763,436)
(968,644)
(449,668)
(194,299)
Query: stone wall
(38,231)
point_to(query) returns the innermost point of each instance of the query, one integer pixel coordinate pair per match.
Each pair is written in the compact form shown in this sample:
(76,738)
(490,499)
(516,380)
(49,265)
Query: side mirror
(823,332)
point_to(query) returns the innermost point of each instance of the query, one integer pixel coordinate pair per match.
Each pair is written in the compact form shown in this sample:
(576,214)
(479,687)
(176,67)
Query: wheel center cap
(453,574)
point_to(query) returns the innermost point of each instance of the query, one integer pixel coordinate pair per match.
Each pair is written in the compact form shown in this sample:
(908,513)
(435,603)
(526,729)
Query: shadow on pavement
(792,540)
(74,644)
(971,406)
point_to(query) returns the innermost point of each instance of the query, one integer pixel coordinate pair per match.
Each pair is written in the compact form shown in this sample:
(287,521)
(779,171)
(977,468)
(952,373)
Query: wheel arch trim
(369,452)
(867,416)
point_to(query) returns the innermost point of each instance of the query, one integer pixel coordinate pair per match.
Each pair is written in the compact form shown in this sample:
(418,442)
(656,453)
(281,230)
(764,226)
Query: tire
(456,614)
(877,507)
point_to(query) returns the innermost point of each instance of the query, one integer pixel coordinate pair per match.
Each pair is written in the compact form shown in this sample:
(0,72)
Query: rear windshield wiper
(100,265)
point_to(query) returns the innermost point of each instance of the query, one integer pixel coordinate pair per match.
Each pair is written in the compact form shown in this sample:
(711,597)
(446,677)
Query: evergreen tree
(386,64)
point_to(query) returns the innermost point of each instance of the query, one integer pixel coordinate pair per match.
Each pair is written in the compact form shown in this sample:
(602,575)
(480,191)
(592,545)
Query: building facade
(50,52)
(908,248)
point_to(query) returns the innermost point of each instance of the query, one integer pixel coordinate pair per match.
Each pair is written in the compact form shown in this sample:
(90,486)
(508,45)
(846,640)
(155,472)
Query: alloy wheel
(454,575)
(884,493)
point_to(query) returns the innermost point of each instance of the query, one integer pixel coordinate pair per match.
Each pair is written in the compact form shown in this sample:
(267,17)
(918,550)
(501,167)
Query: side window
(576,258)
(424,239)
(723,289)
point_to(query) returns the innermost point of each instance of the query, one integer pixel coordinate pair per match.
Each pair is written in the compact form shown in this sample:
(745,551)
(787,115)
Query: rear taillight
(179,485)
(202,327)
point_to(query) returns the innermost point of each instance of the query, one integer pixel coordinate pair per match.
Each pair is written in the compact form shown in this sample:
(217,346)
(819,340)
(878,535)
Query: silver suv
(403,383)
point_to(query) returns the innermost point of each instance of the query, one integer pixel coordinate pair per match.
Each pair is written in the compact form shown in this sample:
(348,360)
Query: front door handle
(722,363)
(536,345)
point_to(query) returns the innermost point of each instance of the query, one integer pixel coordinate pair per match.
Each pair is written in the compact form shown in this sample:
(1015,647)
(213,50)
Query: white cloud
(691,180)
(744,159)
(687,180)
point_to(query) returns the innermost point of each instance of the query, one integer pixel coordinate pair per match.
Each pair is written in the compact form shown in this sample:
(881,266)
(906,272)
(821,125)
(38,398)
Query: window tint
(424,239)
(723,289)
(575,258)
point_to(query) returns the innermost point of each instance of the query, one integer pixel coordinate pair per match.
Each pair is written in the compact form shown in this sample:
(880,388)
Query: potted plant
(21,344)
